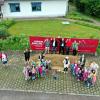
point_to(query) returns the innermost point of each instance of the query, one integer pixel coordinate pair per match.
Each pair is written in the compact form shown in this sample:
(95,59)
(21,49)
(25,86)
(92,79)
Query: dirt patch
(56,60)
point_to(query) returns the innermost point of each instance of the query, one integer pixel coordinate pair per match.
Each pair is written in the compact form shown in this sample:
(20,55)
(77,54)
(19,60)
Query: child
(94,66)
(82,61)
(66,62)
(43,71)
(72,67)
(85,74)
(76,69)
(48,64)
(89,80)
(33,64)
(33,73)
(40,70)
(55,76)
(25,71)
(41,57)
(4,58)
(94,77)
(80,74)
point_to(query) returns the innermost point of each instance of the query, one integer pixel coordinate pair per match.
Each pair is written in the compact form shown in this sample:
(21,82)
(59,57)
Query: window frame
(11,10)
(36,4)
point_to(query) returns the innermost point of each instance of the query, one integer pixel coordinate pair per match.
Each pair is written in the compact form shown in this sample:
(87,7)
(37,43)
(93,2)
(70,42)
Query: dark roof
(1,2)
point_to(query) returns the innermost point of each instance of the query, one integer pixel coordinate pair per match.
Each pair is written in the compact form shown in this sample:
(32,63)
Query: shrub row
(14,43)
(90,7)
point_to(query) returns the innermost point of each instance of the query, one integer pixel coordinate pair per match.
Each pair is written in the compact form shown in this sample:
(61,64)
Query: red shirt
(69,43)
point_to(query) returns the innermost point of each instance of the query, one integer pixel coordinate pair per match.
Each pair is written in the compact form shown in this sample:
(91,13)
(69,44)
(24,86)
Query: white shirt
(54,43)
(66,65)
(94,66)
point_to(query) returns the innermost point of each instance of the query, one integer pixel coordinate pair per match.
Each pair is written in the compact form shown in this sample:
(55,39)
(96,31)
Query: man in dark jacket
(27,55)
(62,46)
(54,45)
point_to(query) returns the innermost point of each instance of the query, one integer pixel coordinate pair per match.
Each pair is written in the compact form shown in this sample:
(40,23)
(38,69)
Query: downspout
(1,13)
(67,7)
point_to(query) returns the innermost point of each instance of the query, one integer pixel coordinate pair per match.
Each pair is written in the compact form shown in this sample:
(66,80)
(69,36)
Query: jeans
(53,49)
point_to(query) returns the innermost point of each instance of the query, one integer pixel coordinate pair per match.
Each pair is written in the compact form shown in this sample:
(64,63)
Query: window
(14,7)
(36,6)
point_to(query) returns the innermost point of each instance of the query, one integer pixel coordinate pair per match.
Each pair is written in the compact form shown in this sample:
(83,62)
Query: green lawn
(53,28)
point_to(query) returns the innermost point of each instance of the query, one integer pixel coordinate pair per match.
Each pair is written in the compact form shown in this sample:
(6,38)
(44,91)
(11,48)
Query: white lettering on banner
(37,43)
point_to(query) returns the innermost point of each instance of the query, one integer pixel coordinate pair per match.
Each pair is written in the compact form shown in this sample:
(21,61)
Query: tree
(91,7)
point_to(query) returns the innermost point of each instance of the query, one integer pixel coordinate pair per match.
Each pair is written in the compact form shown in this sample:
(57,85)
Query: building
(33,8)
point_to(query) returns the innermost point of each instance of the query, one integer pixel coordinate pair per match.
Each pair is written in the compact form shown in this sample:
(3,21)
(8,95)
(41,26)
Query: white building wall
(49,8)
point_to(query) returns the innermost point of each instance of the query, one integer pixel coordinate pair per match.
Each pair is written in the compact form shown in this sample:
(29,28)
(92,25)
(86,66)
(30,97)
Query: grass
(53,28)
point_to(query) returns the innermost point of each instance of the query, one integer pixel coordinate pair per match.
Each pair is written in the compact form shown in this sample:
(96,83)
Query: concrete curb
(45,92)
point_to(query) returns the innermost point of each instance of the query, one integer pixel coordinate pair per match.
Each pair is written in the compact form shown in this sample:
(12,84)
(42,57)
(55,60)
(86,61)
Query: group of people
(37,69)
(82,73)
(61,45)
(40,68)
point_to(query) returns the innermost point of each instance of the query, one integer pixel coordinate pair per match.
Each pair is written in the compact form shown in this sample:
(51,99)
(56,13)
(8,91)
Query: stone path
(11,77)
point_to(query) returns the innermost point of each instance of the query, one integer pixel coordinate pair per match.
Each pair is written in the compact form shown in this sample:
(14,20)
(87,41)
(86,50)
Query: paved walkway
(12,95)
(11,77)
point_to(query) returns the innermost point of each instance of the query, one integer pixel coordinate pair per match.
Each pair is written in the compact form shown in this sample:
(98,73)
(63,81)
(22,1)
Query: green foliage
(91,7)
(71,1)
(14,43)
(76,15)
(3,32)
(7,23)
(4,25)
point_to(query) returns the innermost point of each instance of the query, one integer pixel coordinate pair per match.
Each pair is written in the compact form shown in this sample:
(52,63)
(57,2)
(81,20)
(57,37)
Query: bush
(7,23)
(14,43)
(91,7)
(4,25)
(3,32)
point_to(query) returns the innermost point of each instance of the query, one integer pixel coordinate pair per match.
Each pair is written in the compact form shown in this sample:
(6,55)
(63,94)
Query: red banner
(85,45)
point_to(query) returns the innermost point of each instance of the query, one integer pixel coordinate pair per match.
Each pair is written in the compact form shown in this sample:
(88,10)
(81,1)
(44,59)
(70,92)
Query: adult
(27,55)
(47,45)
(66,63)
(62,45)
(54,45)
(82,61)
(75,47)
(68,46)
